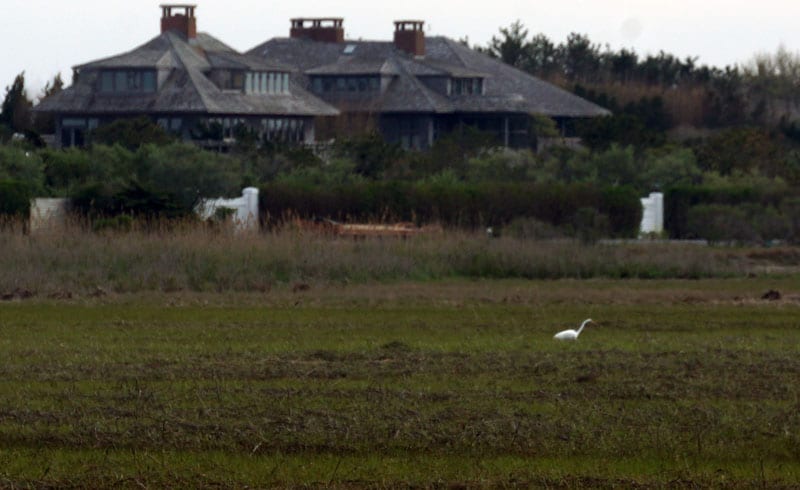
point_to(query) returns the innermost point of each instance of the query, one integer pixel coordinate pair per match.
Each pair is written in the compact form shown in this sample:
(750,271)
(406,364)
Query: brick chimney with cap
(409,35)
(322,29)
(185,23)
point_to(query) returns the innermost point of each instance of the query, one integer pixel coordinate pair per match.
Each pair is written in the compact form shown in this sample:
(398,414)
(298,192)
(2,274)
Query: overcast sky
(44,37)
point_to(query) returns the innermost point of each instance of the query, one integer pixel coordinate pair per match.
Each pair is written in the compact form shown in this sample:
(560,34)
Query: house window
(73,131)
(173,125)
(266,83)
(125,81)
(107,81)
(283,129)
(237,81)
(149,81)
(344,84)
(120,81)
(465,86)
(409,133)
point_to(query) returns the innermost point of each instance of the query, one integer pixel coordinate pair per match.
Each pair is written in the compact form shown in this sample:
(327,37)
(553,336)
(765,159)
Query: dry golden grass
(75,262)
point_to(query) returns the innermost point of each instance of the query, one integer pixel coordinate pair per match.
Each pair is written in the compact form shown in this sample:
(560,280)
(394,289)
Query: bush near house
(456,204)
(15,200)
(732,212)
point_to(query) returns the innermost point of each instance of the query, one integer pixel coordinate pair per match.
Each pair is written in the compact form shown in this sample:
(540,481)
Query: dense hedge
(99,201)
(454,204)
(15,199)
(689,210)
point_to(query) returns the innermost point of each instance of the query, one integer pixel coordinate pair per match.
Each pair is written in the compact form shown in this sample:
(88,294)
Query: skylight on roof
(349,49)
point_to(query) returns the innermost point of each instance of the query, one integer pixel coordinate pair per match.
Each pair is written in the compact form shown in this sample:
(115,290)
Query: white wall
(246,209)
(48,213)
(653,215)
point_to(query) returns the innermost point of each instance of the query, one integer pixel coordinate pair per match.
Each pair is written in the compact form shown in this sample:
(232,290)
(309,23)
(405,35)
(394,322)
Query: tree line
(760,91)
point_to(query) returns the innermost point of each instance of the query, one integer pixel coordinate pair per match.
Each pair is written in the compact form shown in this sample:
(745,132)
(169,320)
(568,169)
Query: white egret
(572,334)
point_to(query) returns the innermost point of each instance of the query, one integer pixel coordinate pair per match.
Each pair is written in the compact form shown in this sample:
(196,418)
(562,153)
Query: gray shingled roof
(356,66)
(186,88)
(507,89)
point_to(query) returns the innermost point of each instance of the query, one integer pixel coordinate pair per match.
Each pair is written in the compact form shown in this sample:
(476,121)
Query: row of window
(343,84)
(266,83)
(321,85)
(465,86)
(173,124)
(285,129)
(127,81)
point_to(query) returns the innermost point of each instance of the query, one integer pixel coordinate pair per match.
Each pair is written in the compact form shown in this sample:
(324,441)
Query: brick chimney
(326,30)
(184,23)
(409,36)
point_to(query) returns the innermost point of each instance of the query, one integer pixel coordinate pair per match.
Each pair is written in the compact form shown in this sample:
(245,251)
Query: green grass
(683,383)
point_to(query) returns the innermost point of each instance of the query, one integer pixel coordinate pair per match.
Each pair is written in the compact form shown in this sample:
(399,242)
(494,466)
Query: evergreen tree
(543,56)
(45,123)
(512,47)
(16,108)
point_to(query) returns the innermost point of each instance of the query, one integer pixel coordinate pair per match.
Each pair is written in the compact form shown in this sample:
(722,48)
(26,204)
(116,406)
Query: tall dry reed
(196,258)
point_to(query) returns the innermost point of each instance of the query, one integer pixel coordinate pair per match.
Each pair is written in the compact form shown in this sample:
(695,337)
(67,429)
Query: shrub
(680,200)
(153,182)
(532,229)
(717,222)
(791,209)
(66,170)
(22,165)
(101,201)
(664,170)
(15,200)
(625,217)
(455,204)
(131,133)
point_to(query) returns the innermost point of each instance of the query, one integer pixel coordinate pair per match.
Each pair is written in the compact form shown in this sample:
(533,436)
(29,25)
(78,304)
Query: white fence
(48,213)
(245,209)
(653,215)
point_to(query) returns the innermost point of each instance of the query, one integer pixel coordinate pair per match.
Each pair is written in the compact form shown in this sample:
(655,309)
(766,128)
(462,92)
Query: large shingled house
(190,83)
(416,88)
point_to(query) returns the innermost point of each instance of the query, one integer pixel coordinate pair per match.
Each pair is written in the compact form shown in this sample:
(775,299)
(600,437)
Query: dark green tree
(46,123)
(16,108)
(543,56)
(623,65)
(580,58)
(512,47)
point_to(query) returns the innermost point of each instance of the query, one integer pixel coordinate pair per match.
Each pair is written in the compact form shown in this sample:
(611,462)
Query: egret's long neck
(582,325)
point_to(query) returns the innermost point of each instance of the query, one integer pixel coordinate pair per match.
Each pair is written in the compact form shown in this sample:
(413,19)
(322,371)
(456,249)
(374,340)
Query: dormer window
(344,84)
(127,81)
(465,86)
(262,82)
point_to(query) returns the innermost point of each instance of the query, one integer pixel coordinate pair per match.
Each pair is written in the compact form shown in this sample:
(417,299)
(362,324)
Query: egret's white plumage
(572,334)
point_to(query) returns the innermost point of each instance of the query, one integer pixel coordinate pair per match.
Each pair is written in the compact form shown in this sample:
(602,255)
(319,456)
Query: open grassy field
(685,383)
